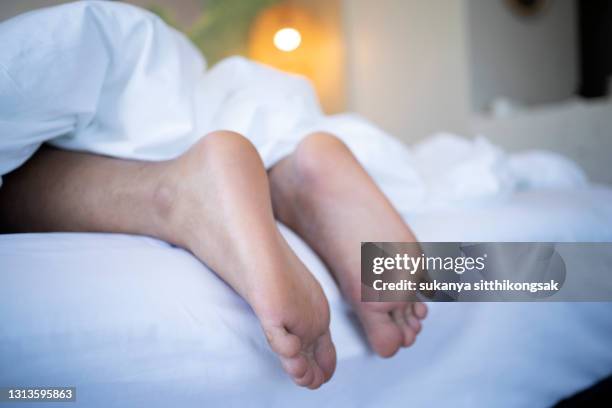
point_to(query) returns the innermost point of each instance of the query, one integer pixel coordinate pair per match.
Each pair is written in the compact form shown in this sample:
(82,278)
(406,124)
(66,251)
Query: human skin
(218,202)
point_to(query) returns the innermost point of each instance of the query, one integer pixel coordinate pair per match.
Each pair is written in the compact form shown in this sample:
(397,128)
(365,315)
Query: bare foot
(294,314)
(390,325)
(323,193)
(215,201)
(244,246)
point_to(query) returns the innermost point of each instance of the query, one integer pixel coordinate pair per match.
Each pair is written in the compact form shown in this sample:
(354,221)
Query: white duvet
(132,321)
(113,79)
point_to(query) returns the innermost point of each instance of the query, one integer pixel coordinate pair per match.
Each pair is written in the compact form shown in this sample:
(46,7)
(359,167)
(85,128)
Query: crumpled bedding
(113,79)
(132,321)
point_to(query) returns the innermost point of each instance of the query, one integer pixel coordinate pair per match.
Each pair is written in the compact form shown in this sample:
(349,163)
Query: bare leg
(324,194)
(214,201)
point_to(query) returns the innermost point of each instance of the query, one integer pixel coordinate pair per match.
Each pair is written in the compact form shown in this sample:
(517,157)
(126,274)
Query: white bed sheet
(132,321)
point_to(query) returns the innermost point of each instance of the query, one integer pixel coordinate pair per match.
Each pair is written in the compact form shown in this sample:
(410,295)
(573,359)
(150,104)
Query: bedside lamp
(285,36)
(289,36)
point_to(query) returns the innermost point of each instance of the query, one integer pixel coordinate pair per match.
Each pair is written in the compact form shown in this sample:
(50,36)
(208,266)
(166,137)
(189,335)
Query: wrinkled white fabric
(113,79)
(132,321)
(457,170)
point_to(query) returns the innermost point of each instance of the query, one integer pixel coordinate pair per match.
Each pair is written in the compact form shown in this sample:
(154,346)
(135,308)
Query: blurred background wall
(508,69)
(531,60)
(407,64)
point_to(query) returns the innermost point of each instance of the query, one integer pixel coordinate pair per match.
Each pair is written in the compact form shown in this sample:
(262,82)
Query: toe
(414,323)
(325,356)
(310,367)
(384,335)
(420,310)
(296,367)
(411,319)
(318,377)
(307,378)
(407,331)
(282,342)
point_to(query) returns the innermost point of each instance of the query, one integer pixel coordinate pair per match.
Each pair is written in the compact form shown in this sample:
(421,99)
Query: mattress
(133,321)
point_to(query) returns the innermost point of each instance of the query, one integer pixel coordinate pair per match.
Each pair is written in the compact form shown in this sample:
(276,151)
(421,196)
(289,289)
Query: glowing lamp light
(287,39)
(293,36)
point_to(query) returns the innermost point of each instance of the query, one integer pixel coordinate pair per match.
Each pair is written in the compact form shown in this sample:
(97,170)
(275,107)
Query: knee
(318,157)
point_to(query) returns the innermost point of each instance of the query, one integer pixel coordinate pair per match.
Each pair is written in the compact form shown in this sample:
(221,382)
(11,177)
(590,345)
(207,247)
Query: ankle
(175,201)
(284,192)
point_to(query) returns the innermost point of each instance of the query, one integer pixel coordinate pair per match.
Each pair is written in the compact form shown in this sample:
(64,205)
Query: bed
(132,321)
